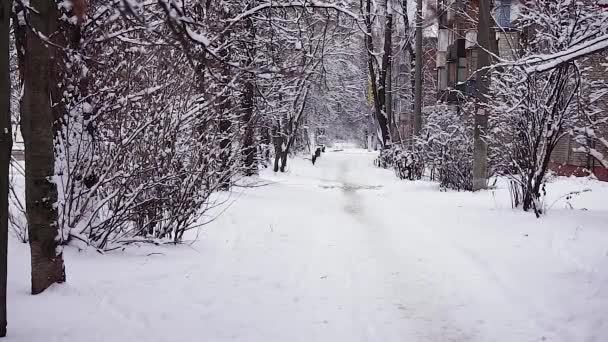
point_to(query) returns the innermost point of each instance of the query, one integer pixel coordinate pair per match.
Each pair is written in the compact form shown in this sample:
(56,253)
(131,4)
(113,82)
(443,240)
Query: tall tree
(38,135)
(378,70)
(485,36)
(418,73)
(387,65)
(247,103)
(6,144)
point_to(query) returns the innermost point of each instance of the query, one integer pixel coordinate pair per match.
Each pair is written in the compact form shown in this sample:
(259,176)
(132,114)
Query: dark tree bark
(225,126)
(278,141)
(6,144)
(418,71)
(377,83)
(37,124)
(225,104)
(486,38)
(385,73)
(248,149)
(284,161)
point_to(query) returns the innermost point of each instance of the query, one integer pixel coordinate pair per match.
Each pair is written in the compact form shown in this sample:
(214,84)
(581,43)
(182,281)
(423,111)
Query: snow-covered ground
(342,252)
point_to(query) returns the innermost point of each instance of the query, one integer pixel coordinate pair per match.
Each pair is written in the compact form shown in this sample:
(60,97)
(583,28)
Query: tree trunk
(377,83)
(485,38)
(418,71)
(6,144)
(37,128)
(278,148)
(225,151)
(387,65)
(248,148)
(225,104)
(277,158)
(284,161)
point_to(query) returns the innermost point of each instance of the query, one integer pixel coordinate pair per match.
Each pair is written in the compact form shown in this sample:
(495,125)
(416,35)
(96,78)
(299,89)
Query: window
(451,37)
(462,70)
(441,59)
(443,41)
(442,78)
(503,13)
(452,70)
(473,61)
(470,40)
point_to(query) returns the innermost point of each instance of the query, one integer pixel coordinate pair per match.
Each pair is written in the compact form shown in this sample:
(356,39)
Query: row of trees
(391,65)
(135,113)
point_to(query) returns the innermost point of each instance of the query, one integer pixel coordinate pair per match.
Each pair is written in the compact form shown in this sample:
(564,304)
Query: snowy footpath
(342,251)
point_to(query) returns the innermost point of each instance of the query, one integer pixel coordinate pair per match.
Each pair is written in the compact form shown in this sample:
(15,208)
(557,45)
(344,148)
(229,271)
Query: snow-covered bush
(159,104)
(446,147)
(386,158)
(406,163)
(532,112)
(537,99)
(142,138)
(158,120)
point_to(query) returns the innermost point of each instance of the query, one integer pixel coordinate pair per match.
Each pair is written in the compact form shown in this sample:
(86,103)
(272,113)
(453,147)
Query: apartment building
(457,62)
(457,48)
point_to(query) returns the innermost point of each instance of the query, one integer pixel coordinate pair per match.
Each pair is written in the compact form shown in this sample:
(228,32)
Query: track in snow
(336,252)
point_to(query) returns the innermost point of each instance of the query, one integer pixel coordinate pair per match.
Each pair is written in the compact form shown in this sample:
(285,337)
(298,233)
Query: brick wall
(564,158)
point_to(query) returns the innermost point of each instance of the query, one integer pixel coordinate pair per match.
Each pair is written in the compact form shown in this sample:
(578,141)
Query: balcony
(456,50)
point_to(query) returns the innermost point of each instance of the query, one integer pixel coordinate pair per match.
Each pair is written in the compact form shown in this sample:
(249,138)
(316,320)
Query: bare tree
(38,133)
(6,143)
(378,69)
(156,105)
(485,37)
(538,99)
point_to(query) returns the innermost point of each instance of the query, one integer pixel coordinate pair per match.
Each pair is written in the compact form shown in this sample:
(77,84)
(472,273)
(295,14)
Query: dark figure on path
(316,155)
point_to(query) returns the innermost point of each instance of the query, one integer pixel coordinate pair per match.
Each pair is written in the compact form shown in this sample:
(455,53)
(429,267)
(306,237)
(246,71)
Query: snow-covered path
(342,252)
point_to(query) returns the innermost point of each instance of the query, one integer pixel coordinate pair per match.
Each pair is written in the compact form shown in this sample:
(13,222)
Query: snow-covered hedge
(446,146)
(444,150)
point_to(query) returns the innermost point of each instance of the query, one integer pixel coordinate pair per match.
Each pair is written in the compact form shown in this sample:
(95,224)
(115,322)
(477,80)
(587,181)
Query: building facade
(456,64)
(457,48)
(569,157)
